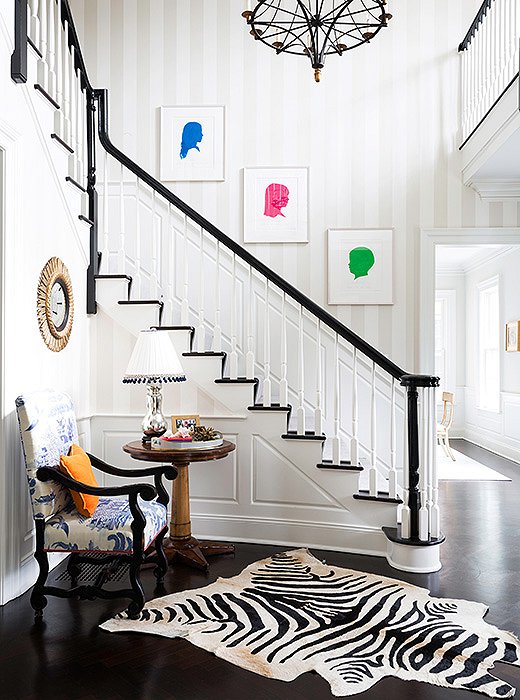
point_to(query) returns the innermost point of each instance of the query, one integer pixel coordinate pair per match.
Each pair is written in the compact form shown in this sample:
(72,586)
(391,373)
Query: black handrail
(318,311)
(479,17)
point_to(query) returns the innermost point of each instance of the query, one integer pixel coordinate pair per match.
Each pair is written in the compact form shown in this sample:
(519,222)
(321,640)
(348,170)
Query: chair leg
(137,602)
(73,569)
(38,599)
(162,562)
(448,448)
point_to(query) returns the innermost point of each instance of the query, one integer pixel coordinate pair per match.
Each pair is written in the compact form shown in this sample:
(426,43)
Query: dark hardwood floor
(69,658)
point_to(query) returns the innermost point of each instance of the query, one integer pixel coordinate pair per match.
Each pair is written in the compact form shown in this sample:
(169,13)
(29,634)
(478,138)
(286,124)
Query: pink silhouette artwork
(276,197)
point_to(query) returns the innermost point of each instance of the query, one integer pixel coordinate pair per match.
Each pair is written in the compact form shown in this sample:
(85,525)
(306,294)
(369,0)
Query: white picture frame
(276,205)
(192,143)
(360,266)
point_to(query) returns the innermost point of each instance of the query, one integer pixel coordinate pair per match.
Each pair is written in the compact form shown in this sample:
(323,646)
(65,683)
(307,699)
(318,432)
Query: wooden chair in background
(443,428)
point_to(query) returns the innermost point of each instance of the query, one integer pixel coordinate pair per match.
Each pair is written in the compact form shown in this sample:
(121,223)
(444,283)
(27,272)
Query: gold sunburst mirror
(55,305)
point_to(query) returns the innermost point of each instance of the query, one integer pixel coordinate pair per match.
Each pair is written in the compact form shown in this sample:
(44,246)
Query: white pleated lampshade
(154,360)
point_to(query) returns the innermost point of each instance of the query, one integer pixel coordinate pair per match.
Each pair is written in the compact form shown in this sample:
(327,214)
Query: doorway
(469,289)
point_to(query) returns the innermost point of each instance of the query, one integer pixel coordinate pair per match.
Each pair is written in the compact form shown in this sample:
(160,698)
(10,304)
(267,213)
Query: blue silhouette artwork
(191,137)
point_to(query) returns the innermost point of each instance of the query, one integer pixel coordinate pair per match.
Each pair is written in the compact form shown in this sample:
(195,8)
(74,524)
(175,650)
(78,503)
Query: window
(489,345)
(445,339)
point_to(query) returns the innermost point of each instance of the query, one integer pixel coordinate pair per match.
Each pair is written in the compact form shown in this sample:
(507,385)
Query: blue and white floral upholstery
(48,429)
(107,530)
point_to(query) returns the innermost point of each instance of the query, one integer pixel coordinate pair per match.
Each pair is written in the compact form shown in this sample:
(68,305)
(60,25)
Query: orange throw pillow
(77,465)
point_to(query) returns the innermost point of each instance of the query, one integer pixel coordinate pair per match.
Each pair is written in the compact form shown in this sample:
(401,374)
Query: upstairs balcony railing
(490,55)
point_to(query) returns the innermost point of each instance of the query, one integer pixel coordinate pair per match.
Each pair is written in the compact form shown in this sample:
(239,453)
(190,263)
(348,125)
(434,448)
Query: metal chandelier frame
(316,28)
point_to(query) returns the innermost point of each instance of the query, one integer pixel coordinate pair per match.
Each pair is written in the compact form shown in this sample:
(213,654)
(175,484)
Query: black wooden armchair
(128,520)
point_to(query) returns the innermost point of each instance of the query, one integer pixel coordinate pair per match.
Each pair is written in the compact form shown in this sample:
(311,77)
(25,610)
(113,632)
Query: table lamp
(154,361)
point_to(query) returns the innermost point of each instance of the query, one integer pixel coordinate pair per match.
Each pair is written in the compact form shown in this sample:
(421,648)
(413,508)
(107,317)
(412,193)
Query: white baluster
(233,355)
(137,281)
(318,411)
(105,257)
(336,441)
(392,474)
(154,277)
(284,386)
(435,519)
(372,474)
(65,78)
(250,356)
(51,49)
(58,115)
(267,349)
(201,329)
(72,115)
(185,304)
(354,445)
(300,411)
(171,243)
(34,23)
(424,444)
(77,115)
(121,250)
(217,331)
(405,508)
(43,70)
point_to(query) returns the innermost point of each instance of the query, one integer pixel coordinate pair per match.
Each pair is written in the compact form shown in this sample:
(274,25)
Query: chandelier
(315,28)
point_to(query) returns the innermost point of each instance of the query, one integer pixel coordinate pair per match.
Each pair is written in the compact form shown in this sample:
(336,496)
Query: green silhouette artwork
(360,261)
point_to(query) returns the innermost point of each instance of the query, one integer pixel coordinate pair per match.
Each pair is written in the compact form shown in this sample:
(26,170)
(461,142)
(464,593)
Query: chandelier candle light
(315,28)
(154,361)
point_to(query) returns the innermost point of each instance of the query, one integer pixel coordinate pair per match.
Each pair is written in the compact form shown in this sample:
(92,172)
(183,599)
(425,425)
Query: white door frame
(430,238)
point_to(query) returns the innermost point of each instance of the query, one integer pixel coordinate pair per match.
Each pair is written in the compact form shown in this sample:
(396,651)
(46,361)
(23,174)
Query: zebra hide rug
(290,614)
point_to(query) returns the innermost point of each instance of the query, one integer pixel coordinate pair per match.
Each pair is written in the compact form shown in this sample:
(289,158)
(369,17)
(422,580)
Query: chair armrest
(146,491)
(167,470)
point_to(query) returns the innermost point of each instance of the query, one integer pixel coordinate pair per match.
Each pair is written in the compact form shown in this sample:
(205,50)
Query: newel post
(412,383)
(19,55)
(93,267)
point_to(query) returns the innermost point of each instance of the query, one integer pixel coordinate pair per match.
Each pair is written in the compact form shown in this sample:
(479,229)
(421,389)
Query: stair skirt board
(334,537)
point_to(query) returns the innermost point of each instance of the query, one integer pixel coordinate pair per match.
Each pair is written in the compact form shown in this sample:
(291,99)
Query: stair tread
(174,328)
(308,435)
(62,143)
(112,277)
(344,465)
(272,407)
(382,497)
(142,301)
(75,183)
(209,353)
(44,92)
(86,220)
(238,380)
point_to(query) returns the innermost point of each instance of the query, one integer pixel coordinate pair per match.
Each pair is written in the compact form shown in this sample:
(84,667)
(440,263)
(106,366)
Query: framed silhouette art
(360,266)
(276,205)
(191,144)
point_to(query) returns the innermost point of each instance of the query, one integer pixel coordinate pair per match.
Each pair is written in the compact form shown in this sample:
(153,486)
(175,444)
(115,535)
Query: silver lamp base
(154,423)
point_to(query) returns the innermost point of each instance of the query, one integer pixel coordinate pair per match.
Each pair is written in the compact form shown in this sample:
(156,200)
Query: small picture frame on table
(513,336)
(189,422)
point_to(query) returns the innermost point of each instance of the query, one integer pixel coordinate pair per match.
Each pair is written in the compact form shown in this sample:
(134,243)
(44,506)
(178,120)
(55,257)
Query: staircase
(329,431)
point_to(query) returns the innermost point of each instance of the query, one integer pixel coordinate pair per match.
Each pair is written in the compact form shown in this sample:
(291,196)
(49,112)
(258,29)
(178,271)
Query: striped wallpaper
(380,132)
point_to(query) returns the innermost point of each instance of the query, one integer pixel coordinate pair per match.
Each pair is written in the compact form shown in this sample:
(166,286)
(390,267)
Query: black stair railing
(97,100)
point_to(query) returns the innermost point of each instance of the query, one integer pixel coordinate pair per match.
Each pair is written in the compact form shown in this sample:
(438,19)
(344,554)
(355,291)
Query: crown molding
(504,190)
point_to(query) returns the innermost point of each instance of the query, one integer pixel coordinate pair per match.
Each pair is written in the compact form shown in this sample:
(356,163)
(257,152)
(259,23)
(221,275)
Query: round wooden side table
(181,545)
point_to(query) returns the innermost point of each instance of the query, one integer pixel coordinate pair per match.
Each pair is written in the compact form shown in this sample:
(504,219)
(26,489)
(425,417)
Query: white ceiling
(460,258)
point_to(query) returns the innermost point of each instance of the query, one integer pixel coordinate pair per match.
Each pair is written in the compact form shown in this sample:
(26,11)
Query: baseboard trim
(497,448)
(287,533)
